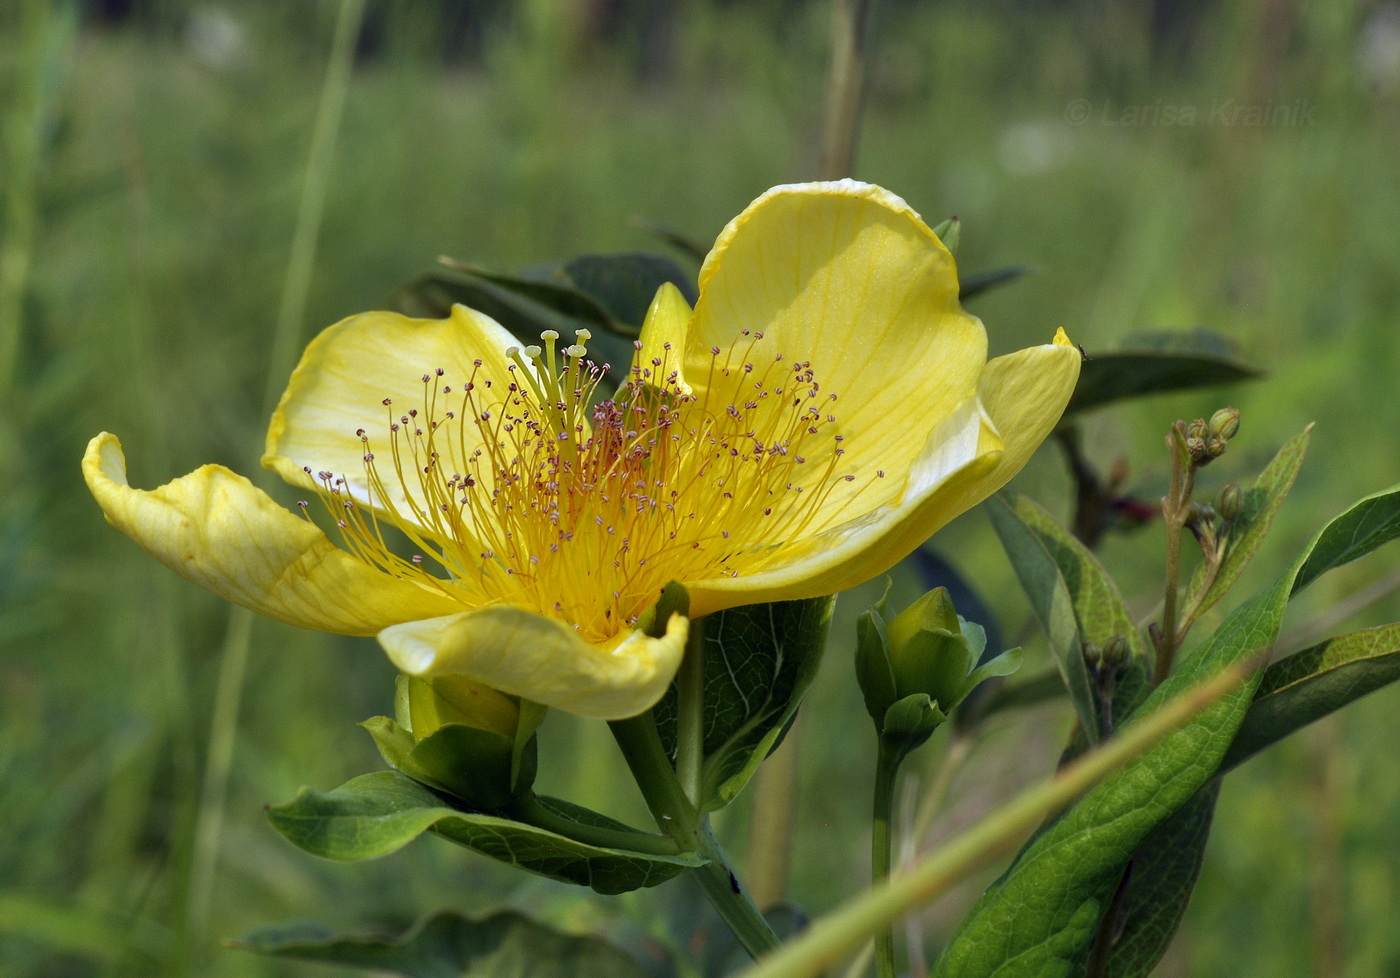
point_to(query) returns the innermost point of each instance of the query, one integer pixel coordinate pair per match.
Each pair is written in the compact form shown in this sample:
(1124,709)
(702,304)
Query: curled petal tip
(1062,338)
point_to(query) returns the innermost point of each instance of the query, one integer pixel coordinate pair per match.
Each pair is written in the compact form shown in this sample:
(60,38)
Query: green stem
(313,198)
(528,808)
(690,733)
(996,834)
(678,818)
(886,769)
(845,86)
(1174,514)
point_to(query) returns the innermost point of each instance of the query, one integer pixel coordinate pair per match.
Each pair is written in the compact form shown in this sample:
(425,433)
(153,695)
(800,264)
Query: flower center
(526,489)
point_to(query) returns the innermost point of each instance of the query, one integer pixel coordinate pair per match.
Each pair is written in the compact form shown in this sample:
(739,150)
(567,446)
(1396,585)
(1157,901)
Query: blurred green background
(151,172)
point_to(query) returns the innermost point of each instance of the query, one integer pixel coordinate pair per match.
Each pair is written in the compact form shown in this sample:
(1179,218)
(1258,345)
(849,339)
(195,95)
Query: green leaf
(1075,601)
(1257,510)
(1368,524)
(1156,363)
(687,244)
(1311,684)
(555,292)
(759,661)
(1037,919)
(433,294)
(973,285)
(449,945)
(624,284)
(376,814)
(1164,872)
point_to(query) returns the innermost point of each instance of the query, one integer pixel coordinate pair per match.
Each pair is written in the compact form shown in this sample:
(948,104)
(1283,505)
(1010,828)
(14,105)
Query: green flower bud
(948,232)
(1116,652)
(1225,423)
(925,651)
(455,699)
(458,737)
(1231,501)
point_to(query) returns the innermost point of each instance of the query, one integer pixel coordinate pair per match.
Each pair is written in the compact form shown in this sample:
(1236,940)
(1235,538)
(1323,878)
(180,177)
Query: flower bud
(948,232)
(434,702)
(457,737)
(1116,652)
(924,651)
(1231,501)
(1225,423)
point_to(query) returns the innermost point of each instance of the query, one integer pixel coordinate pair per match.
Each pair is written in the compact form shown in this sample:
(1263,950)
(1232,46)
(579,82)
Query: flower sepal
(910,722)
(461,738)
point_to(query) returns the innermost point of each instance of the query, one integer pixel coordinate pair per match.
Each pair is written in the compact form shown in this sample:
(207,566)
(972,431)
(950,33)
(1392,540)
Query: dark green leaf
(1037,919)
(973,285)
(1311,684)
(624,284)
(376,814)
(555,292)
(449,945)
(1098,607)
(1156,363)
(1164,872)
(684,242)
(1368,524)
(759,661)
(1258,506)
(433,294)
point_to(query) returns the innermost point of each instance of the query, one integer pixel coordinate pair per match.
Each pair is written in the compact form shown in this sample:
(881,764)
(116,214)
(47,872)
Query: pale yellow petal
(1020,399)
(847,277)
(348,371)
(517,651)
(958,453)
(663,339)
(217,529)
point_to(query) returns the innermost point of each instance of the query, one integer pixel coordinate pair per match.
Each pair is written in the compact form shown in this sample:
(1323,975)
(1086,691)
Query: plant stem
(845,85)
(886,769)
(774,810)
(690,729)
(678,818)
(1174,507)
(302,258)
(997,834)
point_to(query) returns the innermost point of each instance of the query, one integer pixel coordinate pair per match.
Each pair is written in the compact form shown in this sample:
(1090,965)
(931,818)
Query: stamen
(532,493)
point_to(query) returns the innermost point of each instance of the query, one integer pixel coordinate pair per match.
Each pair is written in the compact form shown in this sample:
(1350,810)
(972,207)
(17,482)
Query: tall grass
(153,189)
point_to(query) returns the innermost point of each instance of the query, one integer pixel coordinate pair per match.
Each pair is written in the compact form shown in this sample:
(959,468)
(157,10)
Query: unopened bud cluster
(1206,440)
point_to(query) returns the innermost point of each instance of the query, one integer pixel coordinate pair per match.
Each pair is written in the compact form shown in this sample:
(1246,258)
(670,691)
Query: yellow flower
(825,408)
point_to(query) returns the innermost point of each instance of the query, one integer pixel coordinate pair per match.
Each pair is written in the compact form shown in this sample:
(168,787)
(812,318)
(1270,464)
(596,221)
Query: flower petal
(1020,398)
(663,336)
(341,383)
(517,651)
(217,529)
(848,277)
(959,453)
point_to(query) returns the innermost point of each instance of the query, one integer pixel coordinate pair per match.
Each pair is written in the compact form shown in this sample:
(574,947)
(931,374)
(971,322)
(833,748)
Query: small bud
(1196,448)
(1116,652)
(1091,654)
(948,232)
(1197,429)
(1225,423)
(1200,514)
(1215,447)
(1231,501)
